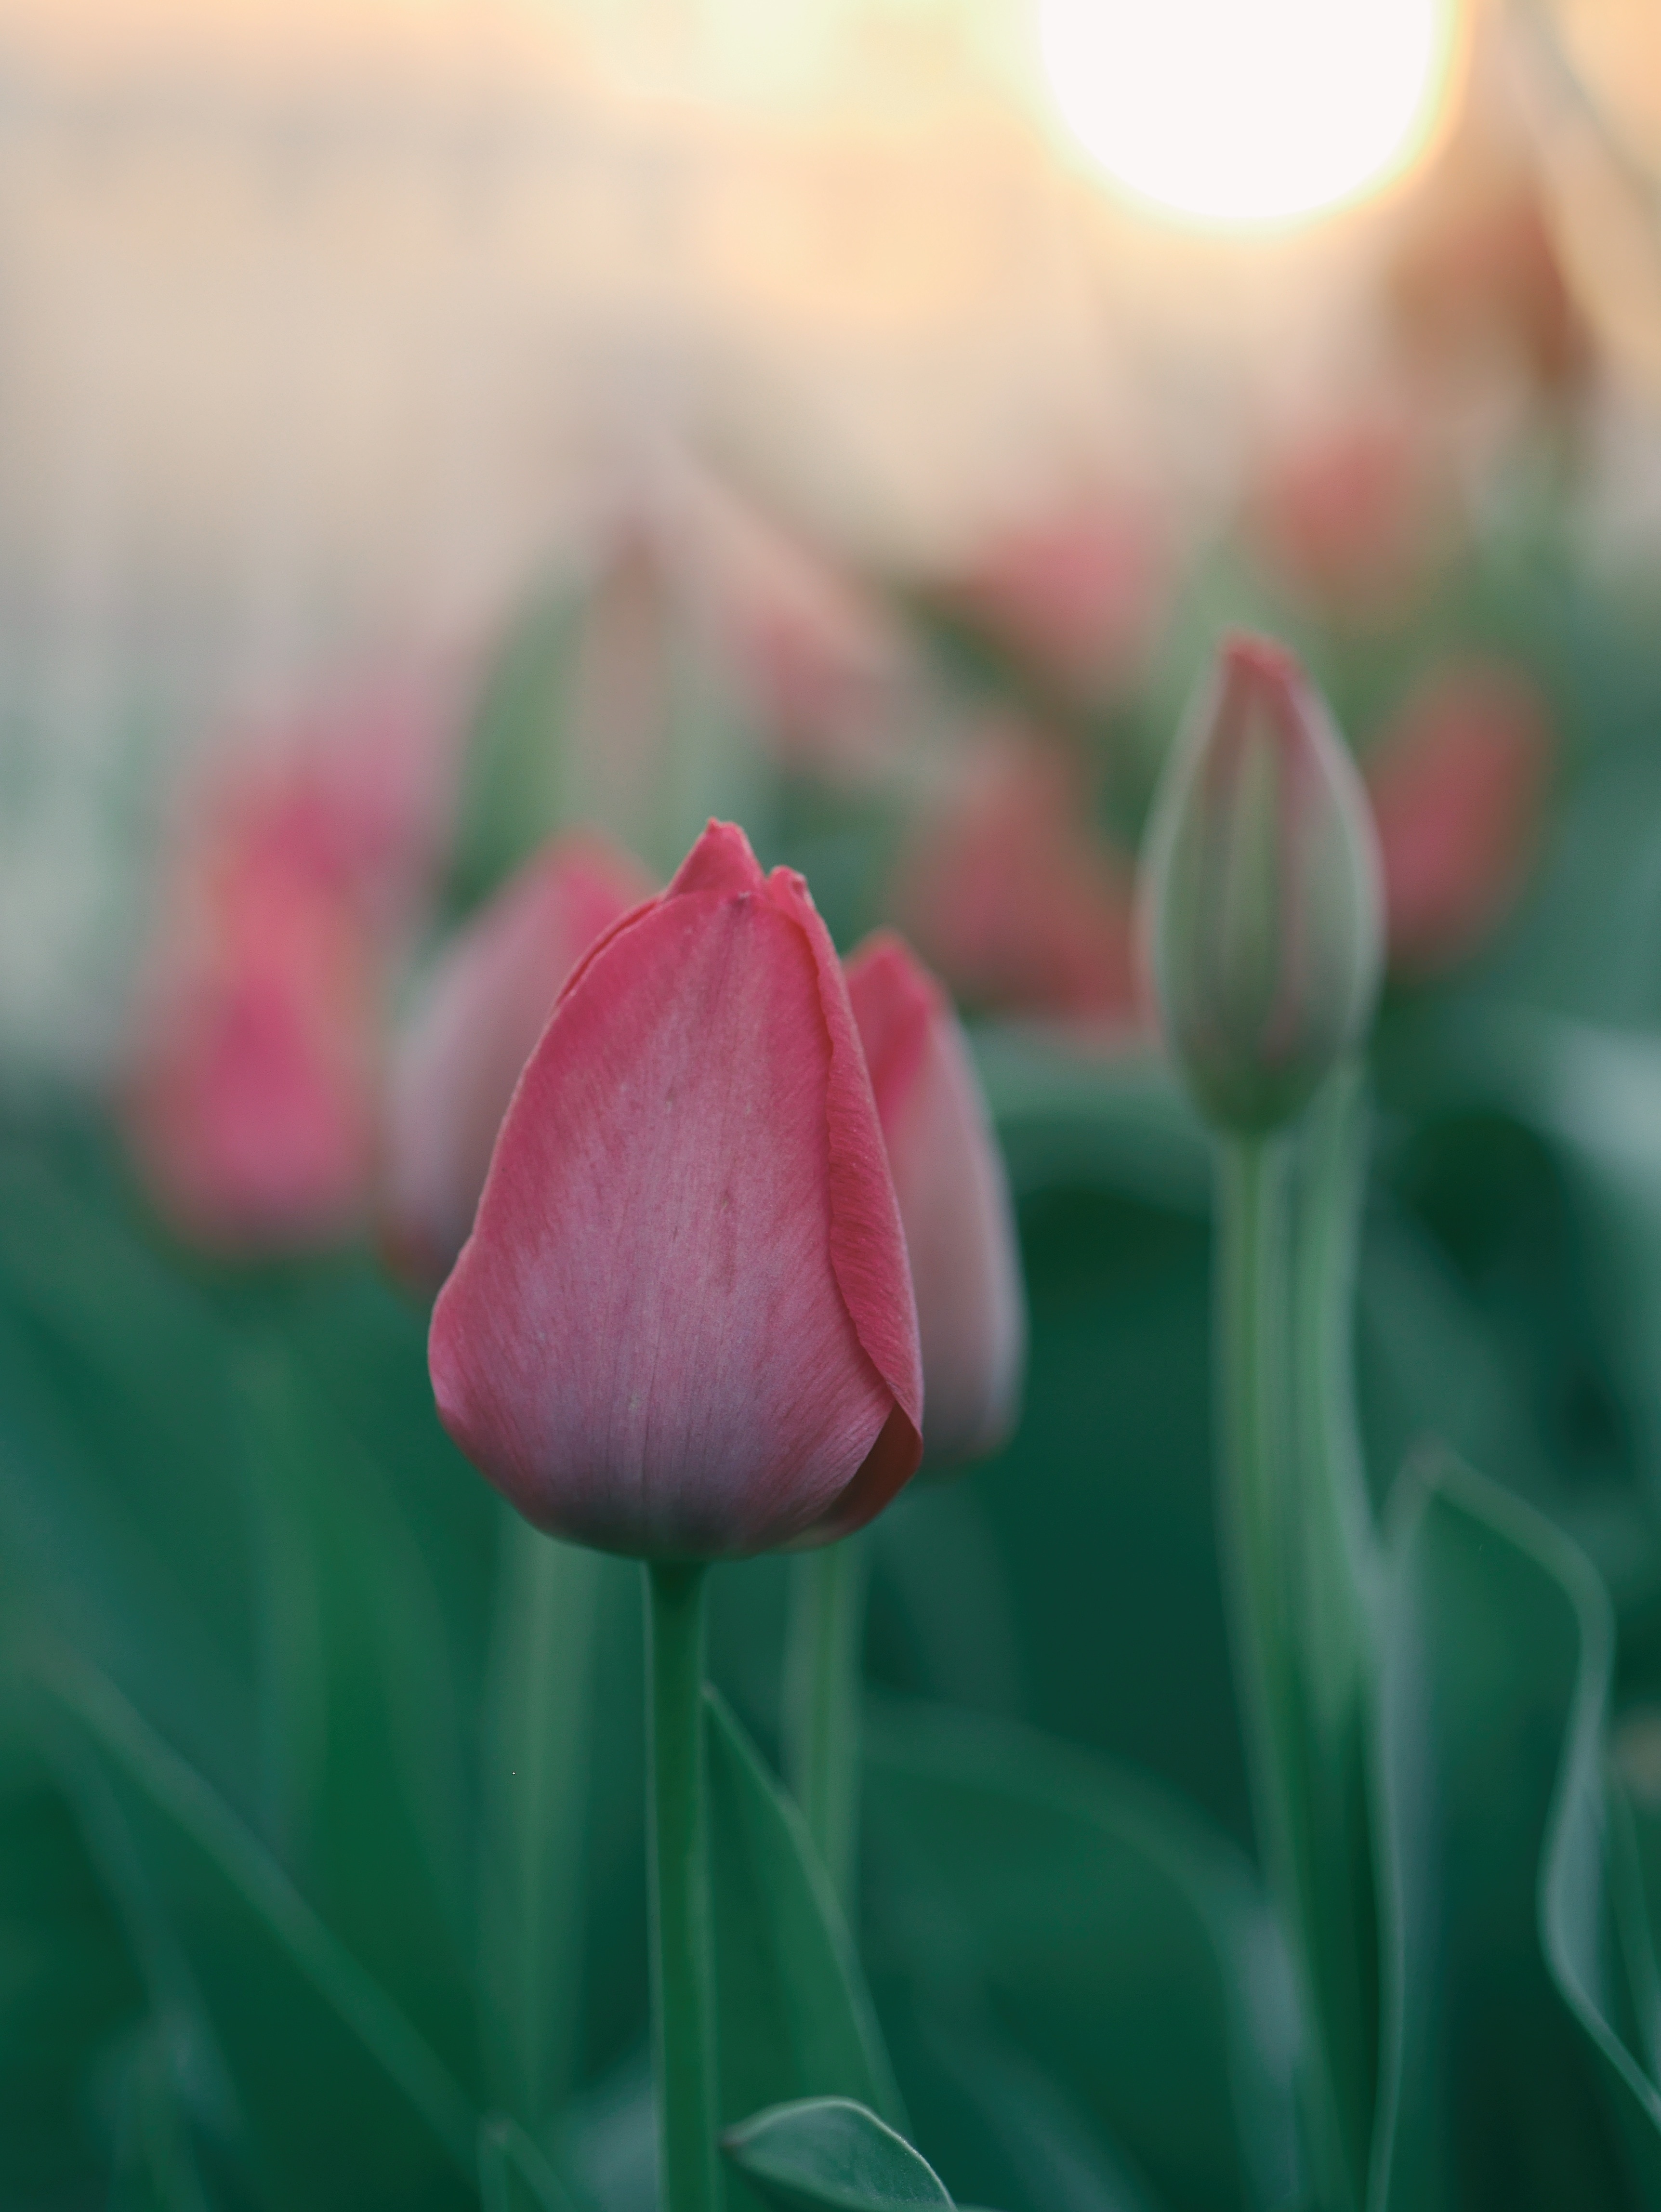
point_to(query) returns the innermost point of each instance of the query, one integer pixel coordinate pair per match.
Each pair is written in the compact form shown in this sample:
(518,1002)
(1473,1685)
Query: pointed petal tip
(1249,656)
(722,861)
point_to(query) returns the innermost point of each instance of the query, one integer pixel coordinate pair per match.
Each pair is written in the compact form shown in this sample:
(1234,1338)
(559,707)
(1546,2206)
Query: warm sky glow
(1249,110)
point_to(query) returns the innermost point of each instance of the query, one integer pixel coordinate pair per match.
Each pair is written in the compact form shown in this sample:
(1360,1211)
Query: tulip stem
(682,1957)
(825,1680)
(1260,1515)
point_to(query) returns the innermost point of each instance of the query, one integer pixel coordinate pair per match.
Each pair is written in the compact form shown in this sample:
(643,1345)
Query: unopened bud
(1262,910)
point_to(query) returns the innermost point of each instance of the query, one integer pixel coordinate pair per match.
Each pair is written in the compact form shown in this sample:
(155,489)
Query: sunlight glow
(1250,112)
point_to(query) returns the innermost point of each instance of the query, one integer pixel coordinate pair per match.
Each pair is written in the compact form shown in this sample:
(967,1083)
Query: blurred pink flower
(954,1198)
(251,1103)
(818,658)
(486,1003)
(1350,518)
(1078,592)
(1459,784)
(696,596)
(1010,896)
(351,796)
(683,1326)
(251,1088)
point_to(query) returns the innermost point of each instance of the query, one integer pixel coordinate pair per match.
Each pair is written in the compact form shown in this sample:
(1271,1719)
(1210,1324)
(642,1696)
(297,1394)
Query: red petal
(953,1199)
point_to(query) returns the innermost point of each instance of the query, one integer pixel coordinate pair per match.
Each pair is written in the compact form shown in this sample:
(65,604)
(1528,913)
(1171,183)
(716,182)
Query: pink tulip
(1457,786)
(684,1325)
(1077,594)
(250,1090)
(487,1002)
(1352,517)
(953,1197)
(251,1100)
(1016,904)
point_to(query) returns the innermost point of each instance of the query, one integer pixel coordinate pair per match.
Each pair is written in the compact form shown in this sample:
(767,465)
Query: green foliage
(830,2154)
(1099,1928)
(1507,2083)
(321,1879)
(359,2109)
(795,2015)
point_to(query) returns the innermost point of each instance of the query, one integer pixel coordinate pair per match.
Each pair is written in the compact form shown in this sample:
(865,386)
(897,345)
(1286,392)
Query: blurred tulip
(683,1324)
(1014,902)
(1350,518)
(953,1199)
(352,798)
(1078,594)
(1458,785)
(821,666)
(1262,907)
(251,1087)
(251,1102)
(486,1003)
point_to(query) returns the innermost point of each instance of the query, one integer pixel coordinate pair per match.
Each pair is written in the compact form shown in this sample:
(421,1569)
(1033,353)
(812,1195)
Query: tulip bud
(487,1002)
(1262,909)
(953,1199)
(683,1326)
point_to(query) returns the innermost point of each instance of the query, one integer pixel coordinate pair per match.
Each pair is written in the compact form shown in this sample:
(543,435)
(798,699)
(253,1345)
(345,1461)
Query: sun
(1250,112)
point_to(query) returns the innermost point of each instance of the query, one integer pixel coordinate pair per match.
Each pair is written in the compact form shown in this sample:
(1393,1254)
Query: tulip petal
(867,1240)
(487,1002)
(953,1199)
(646,1341)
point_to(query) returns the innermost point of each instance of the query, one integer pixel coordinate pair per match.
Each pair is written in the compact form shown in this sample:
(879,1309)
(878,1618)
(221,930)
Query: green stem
(1332,1574)
(824,1698)
(683,1961)
(537,1730)
(1258,1516)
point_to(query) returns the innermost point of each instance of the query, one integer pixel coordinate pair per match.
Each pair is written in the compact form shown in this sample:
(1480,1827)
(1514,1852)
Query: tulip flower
(1077,594)
(487,1002)
(1262,906)
(251,1083)
(953,1199)
(1353,518)
(683,1326)
(1457,784)
(1015,902)
(250,1099)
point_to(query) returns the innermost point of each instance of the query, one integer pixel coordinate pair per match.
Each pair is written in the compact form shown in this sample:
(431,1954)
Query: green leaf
(795,2019)
(1115,1939)
(1119,1124)
(512,792)
(68,1984)
(1505,2083)
(316,2084)
(537,1729)
(1096,1610)
(125,1510)
(997,2126)
(367,1786)
(513,2176)
(830,2154)
(155,2168)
